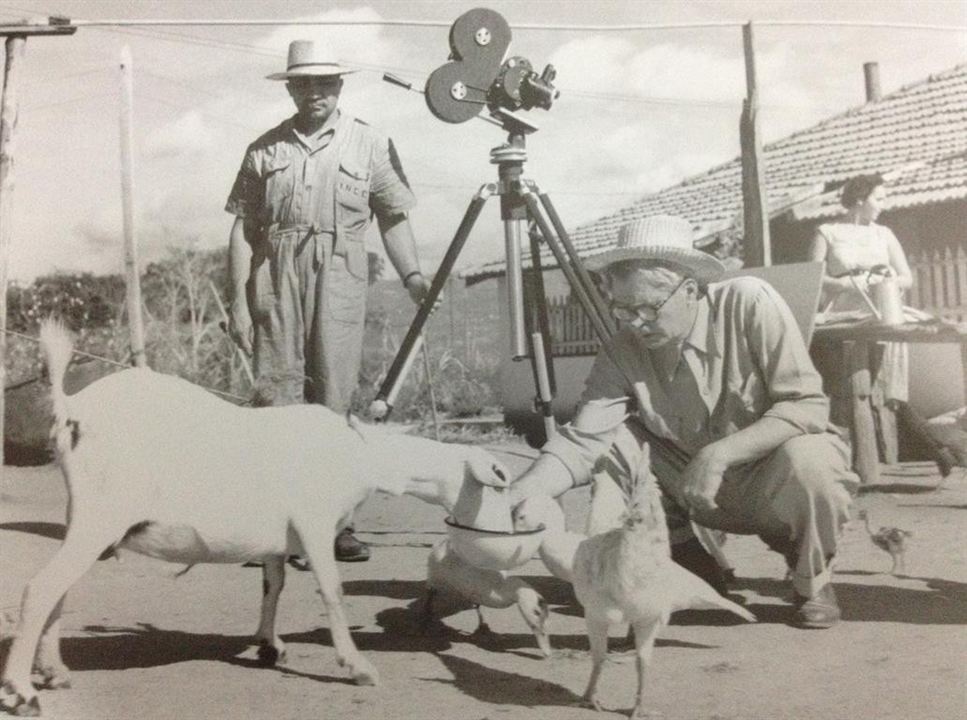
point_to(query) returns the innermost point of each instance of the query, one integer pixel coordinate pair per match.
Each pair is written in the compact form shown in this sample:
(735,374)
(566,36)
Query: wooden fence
(939,288)
(940,282)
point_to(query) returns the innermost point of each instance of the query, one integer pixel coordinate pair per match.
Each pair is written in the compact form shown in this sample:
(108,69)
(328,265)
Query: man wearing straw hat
(719,369)
(303,200)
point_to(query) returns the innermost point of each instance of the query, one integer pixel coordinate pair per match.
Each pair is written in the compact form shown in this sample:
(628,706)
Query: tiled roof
(916,136)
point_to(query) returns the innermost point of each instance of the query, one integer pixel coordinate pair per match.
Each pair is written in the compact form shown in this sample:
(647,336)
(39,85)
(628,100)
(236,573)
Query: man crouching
(720,370)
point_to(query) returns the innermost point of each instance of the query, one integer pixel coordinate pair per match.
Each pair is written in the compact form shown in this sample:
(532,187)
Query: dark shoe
(692,556)
(299,563)
(818,612)
(349,548)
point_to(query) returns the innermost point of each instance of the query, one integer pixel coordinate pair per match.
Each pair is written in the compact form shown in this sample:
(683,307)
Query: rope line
(630,27)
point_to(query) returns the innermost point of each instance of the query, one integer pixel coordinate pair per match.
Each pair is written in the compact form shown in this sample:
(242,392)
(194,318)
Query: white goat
(159,466)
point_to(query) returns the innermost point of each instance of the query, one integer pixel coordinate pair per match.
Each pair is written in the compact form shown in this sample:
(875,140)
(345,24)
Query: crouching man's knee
(817,482)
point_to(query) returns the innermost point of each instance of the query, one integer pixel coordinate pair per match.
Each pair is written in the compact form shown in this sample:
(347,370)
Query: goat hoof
(269,655)
(13,703)
(365,674)
(53,678)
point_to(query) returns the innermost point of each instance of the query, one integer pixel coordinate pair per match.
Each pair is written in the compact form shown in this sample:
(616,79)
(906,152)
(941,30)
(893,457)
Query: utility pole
(132,273)
(756,244)
(16,41)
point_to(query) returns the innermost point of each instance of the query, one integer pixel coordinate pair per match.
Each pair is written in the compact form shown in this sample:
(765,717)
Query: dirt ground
(142,644)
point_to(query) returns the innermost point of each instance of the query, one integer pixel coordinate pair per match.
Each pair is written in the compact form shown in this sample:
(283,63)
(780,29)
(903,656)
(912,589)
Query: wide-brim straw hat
(660,237)
(306,60)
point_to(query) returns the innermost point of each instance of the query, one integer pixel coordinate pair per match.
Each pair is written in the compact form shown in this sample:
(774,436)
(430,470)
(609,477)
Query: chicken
(446,572)
(627,575)
(891,539)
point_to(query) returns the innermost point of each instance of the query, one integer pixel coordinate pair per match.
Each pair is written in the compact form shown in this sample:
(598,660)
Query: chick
(891,539)
(447,572)
(627,575)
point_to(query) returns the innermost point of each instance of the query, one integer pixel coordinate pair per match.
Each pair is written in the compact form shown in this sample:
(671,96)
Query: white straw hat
(660,237)
(305,60)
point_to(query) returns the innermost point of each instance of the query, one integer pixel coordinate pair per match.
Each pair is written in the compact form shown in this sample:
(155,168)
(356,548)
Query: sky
(639,110)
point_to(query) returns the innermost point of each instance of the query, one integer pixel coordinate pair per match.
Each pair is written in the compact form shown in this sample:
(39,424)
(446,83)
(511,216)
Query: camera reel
(477,75)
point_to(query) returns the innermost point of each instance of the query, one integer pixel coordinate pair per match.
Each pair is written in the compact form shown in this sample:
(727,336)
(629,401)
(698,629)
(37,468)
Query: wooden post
(871,79)
(131,269)
(8,124)
(16,35)
(756,243)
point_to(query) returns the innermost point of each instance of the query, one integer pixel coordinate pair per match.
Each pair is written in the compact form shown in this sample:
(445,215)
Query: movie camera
(478,76)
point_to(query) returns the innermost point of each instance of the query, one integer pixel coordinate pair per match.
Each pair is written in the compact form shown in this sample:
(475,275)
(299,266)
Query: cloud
(188,134)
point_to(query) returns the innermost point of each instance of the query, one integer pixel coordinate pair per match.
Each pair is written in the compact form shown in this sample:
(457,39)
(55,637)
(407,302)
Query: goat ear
(487,471)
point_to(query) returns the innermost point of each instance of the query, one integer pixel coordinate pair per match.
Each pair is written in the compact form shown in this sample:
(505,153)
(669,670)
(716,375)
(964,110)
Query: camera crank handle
(400,82)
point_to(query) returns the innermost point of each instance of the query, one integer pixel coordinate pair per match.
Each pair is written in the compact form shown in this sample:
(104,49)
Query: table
(855,340)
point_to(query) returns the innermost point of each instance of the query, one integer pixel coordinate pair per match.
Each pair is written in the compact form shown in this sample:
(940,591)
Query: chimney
(871,72)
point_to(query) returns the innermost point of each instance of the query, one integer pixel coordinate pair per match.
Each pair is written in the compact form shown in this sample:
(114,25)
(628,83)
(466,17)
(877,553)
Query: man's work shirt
(331,182)
(743,359)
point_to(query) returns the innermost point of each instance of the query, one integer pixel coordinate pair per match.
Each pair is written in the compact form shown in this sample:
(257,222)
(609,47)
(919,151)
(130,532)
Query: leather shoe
(349,548)
(818,612)
(692,556)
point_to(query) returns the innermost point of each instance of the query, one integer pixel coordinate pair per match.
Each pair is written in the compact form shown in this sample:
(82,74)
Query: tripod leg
(582,291)
(538,301)
(576,263)
(545,397)
(383,403)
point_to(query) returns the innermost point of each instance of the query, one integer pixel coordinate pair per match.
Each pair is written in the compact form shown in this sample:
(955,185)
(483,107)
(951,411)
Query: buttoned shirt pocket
(279,186)
(352,198)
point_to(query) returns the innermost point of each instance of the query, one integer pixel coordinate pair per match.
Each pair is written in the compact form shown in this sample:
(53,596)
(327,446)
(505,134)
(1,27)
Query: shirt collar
(321,137)
(702,336)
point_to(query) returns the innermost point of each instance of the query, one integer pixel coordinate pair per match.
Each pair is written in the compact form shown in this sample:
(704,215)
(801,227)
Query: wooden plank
(862,429)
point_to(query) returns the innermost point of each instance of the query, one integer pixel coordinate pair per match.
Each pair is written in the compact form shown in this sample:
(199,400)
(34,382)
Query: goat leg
(86,538)
(271,648)
(318,546)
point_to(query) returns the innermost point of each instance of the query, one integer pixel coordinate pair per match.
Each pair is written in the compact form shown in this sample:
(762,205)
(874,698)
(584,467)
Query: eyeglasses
(643,312)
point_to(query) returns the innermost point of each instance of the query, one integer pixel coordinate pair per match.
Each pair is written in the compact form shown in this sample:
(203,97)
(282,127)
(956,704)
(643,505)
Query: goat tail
(55,340)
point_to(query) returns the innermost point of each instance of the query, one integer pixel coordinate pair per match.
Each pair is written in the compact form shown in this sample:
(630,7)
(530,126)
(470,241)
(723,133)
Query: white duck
(447,572)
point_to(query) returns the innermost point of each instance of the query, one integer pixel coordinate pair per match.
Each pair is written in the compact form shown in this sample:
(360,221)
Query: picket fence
(939,288)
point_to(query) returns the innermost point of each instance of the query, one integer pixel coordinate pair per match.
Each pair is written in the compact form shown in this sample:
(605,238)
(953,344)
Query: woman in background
(857,244)
(859,252)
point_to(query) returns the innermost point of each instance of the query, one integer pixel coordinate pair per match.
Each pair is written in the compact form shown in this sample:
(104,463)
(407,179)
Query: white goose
(447,572)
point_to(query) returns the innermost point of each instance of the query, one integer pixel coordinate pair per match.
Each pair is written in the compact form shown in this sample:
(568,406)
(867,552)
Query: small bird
(447,572)
(891,539)
(627,575)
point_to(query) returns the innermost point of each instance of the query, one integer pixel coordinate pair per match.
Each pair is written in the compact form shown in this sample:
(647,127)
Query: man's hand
(240,326)
(418,287)
(702,478)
